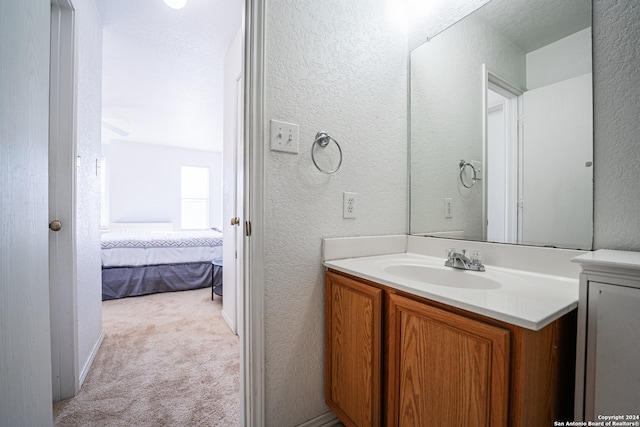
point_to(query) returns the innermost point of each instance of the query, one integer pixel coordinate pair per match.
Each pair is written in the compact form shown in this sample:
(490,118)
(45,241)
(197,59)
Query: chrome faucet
(460,260)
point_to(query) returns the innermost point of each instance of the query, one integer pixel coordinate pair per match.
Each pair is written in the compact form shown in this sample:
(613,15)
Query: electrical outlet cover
(448,208)
(348,205)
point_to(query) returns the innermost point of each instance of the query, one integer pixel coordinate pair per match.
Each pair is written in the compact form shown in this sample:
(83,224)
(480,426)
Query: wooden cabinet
(353,351)
(395,359)
(445,369)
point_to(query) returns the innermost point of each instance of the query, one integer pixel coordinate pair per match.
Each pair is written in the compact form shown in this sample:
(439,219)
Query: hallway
(167,359)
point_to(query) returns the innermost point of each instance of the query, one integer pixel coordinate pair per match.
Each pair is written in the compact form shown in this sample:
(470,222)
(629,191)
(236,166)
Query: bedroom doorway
(153,115)
(121,119)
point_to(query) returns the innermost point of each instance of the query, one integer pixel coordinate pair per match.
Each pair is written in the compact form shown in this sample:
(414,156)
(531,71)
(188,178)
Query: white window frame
(104,192)
(198,195)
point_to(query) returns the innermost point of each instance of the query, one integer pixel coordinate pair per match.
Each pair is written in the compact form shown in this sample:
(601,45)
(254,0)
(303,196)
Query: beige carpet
(167,360)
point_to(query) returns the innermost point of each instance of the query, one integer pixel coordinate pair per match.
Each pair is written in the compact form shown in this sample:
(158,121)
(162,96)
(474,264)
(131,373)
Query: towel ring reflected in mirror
(463,166)
(323,139)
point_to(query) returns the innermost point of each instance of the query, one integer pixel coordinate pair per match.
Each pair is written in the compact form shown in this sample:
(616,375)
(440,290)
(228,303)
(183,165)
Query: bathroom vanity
(469,350)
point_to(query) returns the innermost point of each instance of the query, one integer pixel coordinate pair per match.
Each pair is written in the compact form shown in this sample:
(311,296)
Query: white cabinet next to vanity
(608,345)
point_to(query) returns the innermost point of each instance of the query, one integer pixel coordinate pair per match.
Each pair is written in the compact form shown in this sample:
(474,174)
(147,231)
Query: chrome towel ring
(323,139)
(463,165)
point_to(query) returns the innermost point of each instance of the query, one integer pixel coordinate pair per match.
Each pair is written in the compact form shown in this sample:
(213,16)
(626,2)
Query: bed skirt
(120,282)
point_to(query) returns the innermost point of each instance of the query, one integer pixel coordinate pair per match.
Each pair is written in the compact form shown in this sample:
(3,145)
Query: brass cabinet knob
(235,221)
(55,225)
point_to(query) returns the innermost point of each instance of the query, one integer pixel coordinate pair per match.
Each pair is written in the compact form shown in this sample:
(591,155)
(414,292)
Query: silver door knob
(235,221)
(55,225)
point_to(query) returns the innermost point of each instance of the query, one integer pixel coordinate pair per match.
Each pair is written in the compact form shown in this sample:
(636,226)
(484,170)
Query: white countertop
(527,299)
(610,258)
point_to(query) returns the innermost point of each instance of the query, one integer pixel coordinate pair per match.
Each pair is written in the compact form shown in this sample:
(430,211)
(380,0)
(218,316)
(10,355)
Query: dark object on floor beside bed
(119,282)
(216,277)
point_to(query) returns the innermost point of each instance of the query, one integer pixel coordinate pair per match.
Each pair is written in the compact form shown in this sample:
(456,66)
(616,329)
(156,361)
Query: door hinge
(247,228)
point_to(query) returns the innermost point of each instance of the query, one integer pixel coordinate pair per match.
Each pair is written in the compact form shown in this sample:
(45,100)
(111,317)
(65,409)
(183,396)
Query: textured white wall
(89,109)
(616,74)
(446,121)
(340,67)
(144,182)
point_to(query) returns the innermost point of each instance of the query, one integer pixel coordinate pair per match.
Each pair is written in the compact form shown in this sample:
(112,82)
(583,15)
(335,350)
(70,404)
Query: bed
(143,258)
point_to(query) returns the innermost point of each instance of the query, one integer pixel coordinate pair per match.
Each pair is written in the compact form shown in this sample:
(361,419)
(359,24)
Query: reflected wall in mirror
(501,138)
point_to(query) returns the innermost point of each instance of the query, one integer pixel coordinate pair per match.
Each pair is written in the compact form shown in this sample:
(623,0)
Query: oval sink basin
(452,278)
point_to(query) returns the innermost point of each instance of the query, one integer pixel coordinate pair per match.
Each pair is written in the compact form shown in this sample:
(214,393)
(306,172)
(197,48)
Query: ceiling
(534,24)
(162,70)
(528,24)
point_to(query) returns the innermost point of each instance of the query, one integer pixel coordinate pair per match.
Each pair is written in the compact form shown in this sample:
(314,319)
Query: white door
(496,171)
(233,172)
(233,227)
(557,186)
(25,346)
(62,168)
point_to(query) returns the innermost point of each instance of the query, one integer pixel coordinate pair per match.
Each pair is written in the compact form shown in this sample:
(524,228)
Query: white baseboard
(327,419)
(230,323)
(87,366)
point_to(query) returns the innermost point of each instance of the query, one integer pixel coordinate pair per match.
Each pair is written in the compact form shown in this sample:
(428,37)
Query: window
(104,194)
(195,198)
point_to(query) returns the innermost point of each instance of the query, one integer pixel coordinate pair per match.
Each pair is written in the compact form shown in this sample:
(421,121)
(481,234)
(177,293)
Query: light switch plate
(285,137)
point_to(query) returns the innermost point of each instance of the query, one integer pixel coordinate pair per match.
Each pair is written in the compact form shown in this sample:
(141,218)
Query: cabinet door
(613,349)
(353,350)
(445,369)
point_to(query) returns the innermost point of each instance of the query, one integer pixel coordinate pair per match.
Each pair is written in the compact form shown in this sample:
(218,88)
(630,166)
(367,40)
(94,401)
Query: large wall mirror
(501,139)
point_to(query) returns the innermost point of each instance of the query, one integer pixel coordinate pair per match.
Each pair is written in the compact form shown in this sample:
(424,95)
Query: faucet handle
(476,257)
(450,252)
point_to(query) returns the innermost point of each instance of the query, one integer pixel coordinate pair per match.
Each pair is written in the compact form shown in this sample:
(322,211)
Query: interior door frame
(252,366)
(251,321)
(62,202)
(514,94)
